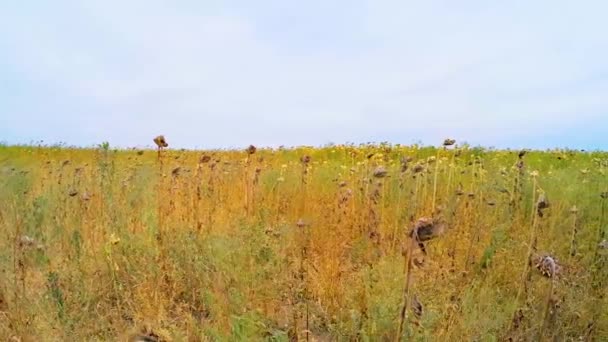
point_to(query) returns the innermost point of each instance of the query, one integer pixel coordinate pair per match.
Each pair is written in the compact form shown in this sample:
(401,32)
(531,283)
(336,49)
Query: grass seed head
(251,149)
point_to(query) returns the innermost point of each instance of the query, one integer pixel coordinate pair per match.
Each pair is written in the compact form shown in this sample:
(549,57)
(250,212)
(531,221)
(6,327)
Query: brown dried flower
(522,153)
(547,265)
(449,142)
(542,204)
(427,229)
(160,141)
(204,159)
(380,172)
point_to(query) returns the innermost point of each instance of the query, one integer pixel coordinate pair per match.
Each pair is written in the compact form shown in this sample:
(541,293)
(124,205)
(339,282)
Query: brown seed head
(251,149)
(404,163)
(427,229)
(449,142)
(380,172)
(305,159)
(204,159)
(547,265)
(160,141)
(543,202)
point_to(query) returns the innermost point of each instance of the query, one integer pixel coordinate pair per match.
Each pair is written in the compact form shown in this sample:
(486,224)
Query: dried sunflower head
(547,265)
(449,142)
(380,172)
(160,141)
(427,229)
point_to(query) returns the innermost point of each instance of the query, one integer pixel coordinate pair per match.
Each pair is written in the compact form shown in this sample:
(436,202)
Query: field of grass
(341,243)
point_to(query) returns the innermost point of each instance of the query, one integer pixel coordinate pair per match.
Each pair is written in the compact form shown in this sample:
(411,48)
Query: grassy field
(341,243)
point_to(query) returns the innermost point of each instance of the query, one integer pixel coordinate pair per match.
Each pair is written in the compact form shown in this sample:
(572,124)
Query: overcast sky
(227,74)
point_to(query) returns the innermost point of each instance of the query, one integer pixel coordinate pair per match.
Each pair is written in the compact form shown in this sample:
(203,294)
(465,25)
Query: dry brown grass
(308,244)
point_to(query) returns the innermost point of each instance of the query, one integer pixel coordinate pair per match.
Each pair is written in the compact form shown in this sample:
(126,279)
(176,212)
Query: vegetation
(371,243)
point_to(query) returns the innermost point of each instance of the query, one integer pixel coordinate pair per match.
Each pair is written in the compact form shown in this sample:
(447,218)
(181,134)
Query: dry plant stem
(305,248)
(435,181)
(543,327)
(450,174)
(17,254)
(247,185)
(197,206)
(159,190)
(160,227)
(573,238)
(417,200)
(397,220)
(304,268)
(532,245)
(601,233)
(406,289)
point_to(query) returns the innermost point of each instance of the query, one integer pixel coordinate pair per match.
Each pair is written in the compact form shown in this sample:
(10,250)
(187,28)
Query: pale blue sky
(231,73)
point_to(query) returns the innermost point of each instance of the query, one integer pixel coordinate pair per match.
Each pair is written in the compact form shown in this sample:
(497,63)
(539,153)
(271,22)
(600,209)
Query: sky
(226,74)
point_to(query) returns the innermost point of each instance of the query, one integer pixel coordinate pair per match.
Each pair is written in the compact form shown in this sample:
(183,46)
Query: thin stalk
(406,289)
(435,181)
(531,246)
(543,327)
